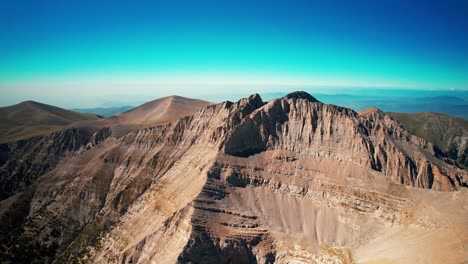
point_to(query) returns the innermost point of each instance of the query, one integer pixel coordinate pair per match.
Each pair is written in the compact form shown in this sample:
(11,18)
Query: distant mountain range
(104,111)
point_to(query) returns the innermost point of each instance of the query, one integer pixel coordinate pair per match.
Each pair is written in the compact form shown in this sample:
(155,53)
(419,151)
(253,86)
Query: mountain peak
(301,95)
(369,111)
(256,99)
(255,96)
(161,110)
(31,103)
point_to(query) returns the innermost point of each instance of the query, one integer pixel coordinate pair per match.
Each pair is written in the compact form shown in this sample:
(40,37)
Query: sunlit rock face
(291,180)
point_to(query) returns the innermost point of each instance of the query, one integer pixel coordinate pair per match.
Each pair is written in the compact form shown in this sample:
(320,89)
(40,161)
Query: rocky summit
(291,180)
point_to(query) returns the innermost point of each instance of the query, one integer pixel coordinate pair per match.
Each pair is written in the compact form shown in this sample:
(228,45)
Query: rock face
(26,160)
(292,180)
(449,134)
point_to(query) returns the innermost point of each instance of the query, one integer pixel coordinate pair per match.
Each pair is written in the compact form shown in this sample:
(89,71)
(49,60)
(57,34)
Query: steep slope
(449,134)
(29,119)
(23,162)
(288,181)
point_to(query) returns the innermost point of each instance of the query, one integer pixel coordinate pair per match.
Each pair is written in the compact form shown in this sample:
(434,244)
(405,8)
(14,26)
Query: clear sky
(78,53)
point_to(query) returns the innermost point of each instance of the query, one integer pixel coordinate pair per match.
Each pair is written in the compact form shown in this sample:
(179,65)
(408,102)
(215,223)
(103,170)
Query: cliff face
(375,141)
(408,159)
(449,134)
(288,180)
(24,161)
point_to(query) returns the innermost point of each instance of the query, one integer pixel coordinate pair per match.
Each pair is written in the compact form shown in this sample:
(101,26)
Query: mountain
(292,180)
(43,153)
(152,113)
(104,111)
(161,111)
(28,119)
(449,134)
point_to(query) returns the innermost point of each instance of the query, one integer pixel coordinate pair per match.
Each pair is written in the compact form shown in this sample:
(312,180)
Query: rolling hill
(29,119)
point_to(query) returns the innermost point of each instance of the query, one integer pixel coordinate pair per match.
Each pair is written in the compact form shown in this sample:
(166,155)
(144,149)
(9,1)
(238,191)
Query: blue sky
(90,50)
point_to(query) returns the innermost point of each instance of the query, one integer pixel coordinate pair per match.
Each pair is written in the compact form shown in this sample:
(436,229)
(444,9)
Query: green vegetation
(90,236)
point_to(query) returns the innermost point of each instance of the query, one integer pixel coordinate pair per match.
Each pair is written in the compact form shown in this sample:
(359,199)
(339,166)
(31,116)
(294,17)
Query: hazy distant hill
(449,134)
(104,111)
(28,119)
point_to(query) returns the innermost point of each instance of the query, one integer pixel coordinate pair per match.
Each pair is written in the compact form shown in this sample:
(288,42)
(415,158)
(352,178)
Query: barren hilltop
(29,119)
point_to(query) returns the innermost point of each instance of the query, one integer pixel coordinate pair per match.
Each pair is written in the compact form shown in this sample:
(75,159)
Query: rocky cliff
(24,161)
(291,180)
(449,134)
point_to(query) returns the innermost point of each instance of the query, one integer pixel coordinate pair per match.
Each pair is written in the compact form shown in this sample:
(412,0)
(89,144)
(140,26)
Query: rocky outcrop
(325,131)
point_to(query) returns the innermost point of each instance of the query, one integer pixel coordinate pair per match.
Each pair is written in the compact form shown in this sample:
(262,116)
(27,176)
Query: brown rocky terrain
(291,180)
